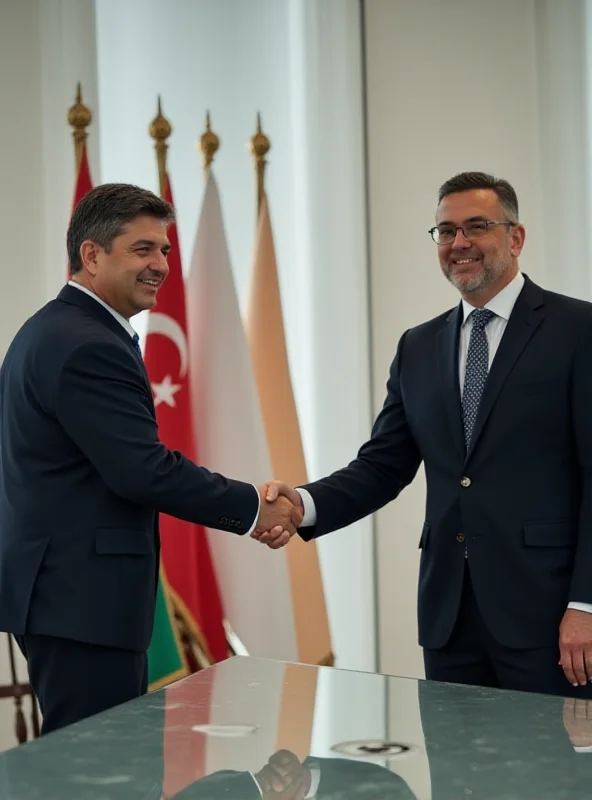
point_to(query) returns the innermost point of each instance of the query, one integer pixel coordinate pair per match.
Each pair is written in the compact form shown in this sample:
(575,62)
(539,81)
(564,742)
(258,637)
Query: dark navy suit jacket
(519,501)
(83,476)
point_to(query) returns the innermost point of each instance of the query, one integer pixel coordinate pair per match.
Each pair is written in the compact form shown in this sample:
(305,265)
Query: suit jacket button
(466,482)
(460,537)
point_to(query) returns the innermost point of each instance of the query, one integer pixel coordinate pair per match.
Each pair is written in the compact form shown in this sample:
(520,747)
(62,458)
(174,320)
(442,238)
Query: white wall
(21,165)
(451,87)
(46,46)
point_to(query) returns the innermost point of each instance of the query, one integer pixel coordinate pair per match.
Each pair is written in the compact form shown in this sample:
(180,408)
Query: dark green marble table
(235,730)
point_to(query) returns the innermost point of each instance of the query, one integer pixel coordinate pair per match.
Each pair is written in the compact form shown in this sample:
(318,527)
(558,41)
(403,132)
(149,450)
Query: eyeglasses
(477,229)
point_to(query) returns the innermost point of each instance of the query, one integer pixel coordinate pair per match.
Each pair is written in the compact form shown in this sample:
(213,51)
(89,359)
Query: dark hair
(465,181)
(103,213)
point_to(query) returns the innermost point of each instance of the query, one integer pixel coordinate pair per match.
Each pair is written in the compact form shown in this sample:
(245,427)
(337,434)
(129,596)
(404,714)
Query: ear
(88,256)
(518,235)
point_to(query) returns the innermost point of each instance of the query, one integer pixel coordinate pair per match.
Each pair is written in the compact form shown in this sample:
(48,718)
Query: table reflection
(251,728)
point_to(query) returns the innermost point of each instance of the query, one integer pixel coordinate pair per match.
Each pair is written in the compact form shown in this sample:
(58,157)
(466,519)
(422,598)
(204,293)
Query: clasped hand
(284,776)
(280,515)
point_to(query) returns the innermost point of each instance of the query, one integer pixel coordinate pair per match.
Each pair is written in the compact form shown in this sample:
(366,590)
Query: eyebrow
(478,218)
(150,243)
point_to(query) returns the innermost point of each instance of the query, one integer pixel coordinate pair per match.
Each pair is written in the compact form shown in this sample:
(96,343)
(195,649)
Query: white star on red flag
(165,392)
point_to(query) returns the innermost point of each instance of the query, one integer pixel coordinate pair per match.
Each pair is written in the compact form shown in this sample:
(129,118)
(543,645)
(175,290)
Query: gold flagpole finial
(160,130)
(79,117)
(208,145)
(259,146)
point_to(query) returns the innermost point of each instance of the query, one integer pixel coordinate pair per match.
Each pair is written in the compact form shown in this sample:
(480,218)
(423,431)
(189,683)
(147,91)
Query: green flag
(166,662)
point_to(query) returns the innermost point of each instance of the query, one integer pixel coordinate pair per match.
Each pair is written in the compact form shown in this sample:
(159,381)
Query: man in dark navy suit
(83,474)
(495,397)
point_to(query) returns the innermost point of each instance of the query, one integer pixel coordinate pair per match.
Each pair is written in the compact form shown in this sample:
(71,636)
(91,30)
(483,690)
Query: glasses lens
(475,230)
(444,235)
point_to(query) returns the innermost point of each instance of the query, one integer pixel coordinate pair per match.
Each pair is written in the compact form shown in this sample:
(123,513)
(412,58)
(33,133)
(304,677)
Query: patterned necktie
(136,341)
(477,369)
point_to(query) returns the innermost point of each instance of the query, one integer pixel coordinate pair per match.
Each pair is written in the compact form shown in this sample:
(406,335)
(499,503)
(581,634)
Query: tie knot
(481,316)
(137,348)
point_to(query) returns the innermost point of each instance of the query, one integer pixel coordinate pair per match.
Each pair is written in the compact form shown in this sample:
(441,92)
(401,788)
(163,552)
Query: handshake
(280,515)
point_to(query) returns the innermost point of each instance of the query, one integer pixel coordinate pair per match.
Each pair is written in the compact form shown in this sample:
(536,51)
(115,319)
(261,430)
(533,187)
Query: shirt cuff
(315,779)
(583,749)
(256,784)
(254,525)
(581,607)
(310,511)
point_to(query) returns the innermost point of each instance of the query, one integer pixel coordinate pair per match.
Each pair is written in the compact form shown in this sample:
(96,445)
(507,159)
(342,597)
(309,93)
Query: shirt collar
(121,319)
(503,302)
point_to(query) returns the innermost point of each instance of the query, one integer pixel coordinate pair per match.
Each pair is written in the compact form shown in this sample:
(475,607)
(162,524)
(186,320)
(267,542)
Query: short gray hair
(466,181)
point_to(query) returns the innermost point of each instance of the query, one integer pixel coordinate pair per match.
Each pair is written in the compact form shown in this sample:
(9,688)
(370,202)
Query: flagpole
(160,130)
(79,117)
(208,145)
(259,146)
(267,345)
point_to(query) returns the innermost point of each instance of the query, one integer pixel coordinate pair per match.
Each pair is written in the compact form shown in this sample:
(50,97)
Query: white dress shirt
(126,325)
(501,305)
(119,317)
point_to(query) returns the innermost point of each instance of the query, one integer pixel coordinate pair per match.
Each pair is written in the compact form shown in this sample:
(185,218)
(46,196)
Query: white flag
(254,580)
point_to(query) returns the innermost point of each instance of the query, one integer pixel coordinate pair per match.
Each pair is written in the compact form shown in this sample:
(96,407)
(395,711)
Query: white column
(563,66)
(330,265)
(46,46)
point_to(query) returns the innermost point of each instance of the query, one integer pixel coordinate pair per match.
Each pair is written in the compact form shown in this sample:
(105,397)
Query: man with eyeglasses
(495,397)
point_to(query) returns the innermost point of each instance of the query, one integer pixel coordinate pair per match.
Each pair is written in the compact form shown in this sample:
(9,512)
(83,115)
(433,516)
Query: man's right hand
(280,514)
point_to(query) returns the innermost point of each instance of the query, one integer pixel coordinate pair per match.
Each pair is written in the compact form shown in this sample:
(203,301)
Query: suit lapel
(448,343)
(70,294)
(526,316)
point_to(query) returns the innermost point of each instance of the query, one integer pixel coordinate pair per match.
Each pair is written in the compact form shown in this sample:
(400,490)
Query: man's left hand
(575,646)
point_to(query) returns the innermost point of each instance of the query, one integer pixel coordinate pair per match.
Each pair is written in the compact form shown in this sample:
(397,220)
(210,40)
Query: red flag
(83,185)
(83,180)
(185,550)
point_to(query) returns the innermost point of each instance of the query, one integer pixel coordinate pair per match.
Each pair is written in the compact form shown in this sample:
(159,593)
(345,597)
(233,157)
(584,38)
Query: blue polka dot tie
(136,341)
(476,371)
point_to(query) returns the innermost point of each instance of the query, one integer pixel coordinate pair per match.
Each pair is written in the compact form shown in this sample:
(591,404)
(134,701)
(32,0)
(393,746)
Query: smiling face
(481,268)
(129,275)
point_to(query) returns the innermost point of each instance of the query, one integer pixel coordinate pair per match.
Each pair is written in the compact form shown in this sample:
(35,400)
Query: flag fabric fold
(166,659)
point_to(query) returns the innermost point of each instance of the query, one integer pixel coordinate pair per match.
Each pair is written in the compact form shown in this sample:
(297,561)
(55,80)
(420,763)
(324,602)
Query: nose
(460,240)
(159,264)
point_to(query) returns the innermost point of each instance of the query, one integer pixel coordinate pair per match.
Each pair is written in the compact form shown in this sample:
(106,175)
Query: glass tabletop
(251,728)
